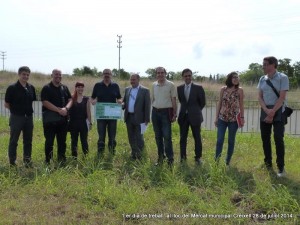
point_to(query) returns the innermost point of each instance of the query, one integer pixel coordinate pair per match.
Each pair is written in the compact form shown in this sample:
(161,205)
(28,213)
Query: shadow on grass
(292,186)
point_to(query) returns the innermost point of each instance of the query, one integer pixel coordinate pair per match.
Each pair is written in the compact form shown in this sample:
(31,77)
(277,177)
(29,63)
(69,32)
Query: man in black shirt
(106,91)
(56,97)
(18,99)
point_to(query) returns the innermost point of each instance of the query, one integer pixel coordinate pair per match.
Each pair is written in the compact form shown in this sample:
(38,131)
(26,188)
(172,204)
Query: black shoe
(13,164)
(268,165)
(170,162)
(198,161)
(183,160)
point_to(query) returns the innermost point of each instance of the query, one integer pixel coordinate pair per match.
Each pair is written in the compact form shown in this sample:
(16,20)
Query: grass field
(116,190)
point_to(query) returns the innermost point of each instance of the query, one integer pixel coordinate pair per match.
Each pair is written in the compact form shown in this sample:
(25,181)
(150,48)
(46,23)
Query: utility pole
(119,47)
(3,54)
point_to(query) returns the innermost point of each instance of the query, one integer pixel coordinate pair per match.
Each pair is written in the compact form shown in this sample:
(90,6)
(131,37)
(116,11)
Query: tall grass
(116,190)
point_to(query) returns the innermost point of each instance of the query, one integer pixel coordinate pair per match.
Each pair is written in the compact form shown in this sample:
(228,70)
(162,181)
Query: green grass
(116,190)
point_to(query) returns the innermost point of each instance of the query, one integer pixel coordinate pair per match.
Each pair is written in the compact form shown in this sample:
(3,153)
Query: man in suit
(192,100)
(137,111)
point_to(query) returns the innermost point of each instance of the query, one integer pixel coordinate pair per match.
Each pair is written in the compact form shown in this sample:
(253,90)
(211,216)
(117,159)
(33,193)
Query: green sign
(108,111)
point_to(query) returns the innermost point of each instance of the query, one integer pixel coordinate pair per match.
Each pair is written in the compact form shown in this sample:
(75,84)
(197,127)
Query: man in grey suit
(192,100)
(136,104)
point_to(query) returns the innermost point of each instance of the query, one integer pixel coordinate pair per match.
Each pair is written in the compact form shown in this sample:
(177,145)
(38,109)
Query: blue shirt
(280,82)
(132,97)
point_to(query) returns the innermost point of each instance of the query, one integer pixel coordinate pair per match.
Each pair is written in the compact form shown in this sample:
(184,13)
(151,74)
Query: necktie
(187,92)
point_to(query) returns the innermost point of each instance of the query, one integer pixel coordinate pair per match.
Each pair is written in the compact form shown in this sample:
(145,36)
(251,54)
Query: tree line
(249,76)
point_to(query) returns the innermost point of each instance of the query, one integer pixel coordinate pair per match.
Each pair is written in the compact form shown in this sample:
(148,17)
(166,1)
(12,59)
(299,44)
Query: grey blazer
(141,107)
(193,107)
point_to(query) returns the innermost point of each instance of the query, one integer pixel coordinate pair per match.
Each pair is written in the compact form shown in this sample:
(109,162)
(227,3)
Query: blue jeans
(163,134)
(232,129)
(111,126)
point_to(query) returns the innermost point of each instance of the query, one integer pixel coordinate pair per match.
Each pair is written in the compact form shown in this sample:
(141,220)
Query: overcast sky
(213,36)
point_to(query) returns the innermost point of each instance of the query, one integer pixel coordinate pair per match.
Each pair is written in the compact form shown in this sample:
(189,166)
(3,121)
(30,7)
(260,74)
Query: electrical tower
(119,47)
(3,57)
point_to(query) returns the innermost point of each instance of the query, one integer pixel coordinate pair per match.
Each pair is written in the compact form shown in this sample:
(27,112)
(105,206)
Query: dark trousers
(58,130)
(266,130)
(163,134)
(111,126)
(79,128)
(18,124)
(184,129)
(136,139)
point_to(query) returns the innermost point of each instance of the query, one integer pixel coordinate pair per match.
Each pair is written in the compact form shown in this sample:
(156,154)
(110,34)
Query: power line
(3,54)
(119,47)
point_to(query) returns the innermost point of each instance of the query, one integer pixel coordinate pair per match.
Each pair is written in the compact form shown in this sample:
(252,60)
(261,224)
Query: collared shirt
(58,96)
(109,93)
(162,94)
(20,98)
(281,83)
(187,90)
(132,97)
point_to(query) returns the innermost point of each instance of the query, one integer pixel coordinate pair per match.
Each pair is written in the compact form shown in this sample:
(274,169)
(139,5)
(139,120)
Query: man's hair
(271,60)
(228,80)
(106,70)
(185,71)
(160,67)
(24,69)
(137,75)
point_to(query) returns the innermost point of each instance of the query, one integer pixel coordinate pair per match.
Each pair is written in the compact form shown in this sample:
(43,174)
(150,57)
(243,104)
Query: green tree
(77,72)
(85,71)
(115,72)
(171,75)
(285,67)
(252,75)
(151,73)
(124,75)
(295,80)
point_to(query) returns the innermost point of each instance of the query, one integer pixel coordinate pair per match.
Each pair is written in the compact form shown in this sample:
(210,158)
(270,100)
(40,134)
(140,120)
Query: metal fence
(252,114)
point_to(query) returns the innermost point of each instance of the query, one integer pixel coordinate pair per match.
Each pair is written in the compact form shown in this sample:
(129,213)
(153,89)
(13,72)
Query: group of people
(63,112)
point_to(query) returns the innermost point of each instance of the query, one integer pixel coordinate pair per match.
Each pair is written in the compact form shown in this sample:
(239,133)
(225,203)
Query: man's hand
(269,119)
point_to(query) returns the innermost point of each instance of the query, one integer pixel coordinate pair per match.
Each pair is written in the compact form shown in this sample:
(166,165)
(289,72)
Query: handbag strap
(62,95)
(272,86)
(274,89)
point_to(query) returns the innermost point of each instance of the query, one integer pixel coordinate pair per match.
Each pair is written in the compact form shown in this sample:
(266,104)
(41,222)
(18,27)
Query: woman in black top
(80,119)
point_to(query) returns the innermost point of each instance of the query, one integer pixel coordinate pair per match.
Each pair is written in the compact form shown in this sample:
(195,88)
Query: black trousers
(111,126)
(184,129)
(278,130)
(136,139)
(79,128)
(17,125)
(58,130)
